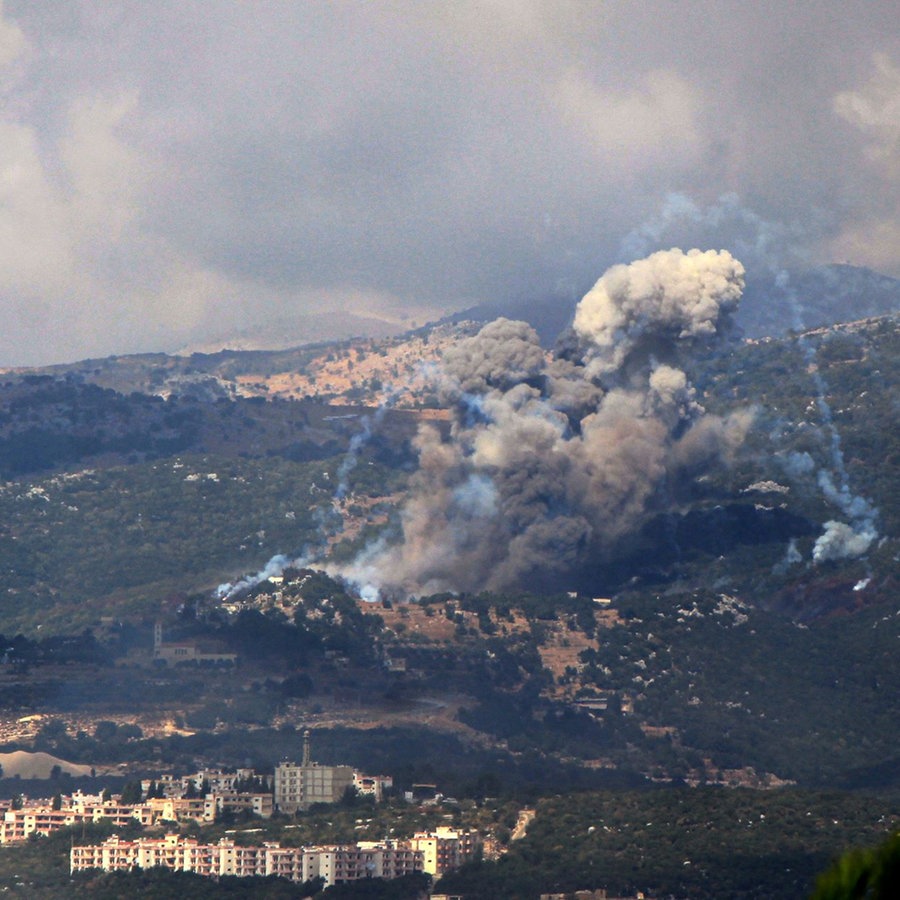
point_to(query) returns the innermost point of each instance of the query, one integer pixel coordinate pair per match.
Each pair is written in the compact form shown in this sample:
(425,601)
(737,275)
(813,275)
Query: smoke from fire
(554,459)
(767,246)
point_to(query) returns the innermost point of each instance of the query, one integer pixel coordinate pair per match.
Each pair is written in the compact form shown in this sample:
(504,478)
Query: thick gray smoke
(770,247)
(553,459)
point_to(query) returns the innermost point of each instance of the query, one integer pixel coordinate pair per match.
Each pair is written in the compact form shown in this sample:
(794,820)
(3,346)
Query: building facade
(335,864)
(299,785)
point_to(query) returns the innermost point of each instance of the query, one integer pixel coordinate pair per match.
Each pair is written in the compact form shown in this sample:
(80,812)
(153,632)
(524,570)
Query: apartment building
(299,785)
(335,864)
(41,818)
(446,849)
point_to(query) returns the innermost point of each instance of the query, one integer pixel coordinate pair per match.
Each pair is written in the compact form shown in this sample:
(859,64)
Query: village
(205,796)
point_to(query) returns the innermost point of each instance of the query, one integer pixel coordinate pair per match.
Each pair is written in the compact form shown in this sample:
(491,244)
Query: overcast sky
(176,171)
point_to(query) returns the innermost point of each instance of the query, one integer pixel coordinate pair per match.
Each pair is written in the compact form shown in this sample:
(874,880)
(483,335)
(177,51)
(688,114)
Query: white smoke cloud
(839,540)
(551,460)
(842,541)
(670,293)
(275,566)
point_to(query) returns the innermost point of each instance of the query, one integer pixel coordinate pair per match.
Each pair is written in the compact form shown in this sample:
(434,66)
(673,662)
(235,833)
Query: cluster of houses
(41,817)
(431,852)
(207,794)
(202,797)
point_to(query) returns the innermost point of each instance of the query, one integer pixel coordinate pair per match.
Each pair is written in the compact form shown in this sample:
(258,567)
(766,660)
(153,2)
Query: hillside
(740,646)
(814,298)
(359,371)
(820,448)
(538,691)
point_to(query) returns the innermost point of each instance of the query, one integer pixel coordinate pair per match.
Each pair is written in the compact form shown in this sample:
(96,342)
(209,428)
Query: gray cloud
(176,169)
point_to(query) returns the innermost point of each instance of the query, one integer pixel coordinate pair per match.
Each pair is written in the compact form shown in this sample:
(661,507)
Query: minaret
(306,756)
(157,637)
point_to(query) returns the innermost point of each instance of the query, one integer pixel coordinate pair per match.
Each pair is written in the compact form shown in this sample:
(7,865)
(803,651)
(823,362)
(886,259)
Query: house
(175,653)
(372,785)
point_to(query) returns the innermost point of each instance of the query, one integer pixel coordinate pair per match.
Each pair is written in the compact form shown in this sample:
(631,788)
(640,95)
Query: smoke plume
(839,540)
(555,458)
(772,247)
(275,566)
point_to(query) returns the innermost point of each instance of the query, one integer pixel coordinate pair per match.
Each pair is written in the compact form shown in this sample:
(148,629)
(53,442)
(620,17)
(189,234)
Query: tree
(872,874)
(132,793)
(105,731)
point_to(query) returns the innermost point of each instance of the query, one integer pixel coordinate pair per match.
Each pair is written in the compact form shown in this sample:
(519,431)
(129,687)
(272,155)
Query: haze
(175,174)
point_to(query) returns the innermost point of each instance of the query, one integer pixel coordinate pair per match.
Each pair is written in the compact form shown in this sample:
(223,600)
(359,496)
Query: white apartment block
(390,859)
(445,849)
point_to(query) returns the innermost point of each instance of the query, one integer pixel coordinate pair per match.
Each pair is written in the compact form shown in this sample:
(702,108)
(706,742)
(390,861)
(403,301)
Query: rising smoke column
(774,247)
(553,459)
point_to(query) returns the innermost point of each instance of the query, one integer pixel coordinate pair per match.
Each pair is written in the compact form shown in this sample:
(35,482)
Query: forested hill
(183,493)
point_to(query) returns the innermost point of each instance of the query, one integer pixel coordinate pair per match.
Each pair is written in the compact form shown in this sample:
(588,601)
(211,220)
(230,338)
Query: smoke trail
(551,460)
(838,540)
(762,245)
(275,566)
(771,247)
(312,553)
(362,437)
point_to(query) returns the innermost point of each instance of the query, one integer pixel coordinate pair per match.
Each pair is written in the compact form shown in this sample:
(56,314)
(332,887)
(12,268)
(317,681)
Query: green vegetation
(702,843)
(747,687)
(728,654)
(859,874)
(116,541)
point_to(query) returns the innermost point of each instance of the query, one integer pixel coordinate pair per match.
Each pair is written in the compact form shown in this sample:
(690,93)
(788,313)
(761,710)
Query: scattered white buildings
(202,797)
(41,816)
